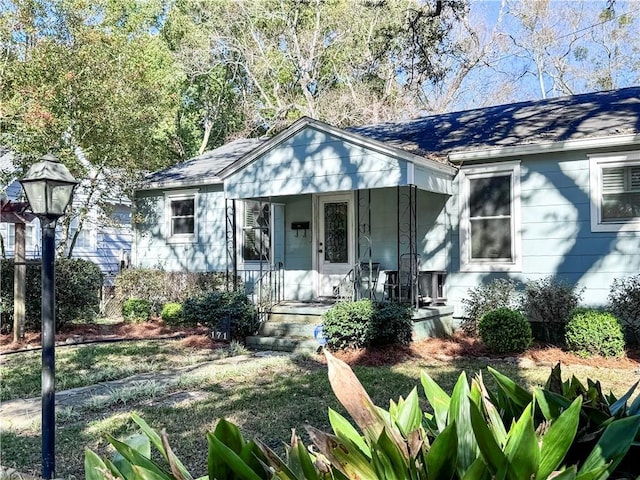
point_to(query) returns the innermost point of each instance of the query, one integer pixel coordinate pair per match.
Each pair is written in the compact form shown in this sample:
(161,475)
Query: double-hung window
(615,192)
(256,231)
(181,217)
(29,237)
(490,218)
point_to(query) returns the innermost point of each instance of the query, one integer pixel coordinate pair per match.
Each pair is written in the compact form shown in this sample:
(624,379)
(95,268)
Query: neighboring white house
(105,238)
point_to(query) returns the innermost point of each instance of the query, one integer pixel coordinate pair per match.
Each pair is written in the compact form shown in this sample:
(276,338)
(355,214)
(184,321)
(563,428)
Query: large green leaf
(343,429)
(558,439)
(568,474)
(478,471)
(133,457)
(622,401)
(388,460)
(165,450)
(492,416)
(144,474)
(409,414)
(550,404)
(459,412)
(612,446)
(521,448)
(490,449)
(438,399)
(94,467)
(441,457)
(224,463)
(518,395)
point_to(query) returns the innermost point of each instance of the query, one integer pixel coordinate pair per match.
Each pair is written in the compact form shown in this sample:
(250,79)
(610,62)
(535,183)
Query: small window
(489,220)
(181,217)
(84,239)
(615,192)
(256,232)
(29,240)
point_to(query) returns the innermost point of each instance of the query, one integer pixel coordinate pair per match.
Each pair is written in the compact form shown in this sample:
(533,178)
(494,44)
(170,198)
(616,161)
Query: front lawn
(266,397)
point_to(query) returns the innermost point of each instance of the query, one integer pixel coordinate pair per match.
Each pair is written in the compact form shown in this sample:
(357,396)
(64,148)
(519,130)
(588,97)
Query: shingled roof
(590,115)
(437,137)
(204,168)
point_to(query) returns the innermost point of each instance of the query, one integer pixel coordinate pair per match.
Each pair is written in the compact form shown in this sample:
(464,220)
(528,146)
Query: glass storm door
(335,243)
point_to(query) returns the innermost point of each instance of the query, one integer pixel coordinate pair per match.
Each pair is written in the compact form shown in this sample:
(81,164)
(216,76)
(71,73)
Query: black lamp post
(48,186)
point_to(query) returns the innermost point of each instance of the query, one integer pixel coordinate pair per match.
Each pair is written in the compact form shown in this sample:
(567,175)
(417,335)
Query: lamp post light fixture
(49,187)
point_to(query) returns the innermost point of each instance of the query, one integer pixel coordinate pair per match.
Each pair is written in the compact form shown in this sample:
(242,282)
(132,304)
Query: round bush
(346,324)
(172,313)
(504,330)
(590,332)
(136,310)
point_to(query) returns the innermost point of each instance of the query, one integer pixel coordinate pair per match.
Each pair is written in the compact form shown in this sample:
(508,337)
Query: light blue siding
(556,233)
(206,253)
(315,162)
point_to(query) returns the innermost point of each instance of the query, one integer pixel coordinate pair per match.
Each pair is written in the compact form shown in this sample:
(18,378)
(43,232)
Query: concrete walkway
(20,414)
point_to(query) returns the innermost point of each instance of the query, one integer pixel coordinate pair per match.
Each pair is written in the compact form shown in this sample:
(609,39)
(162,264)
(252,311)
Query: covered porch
(336,216)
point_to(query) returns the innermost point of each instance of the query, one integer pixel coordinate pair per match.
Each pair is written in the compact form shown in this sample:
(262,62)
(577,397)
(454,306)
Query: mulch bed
(195,337)
(456,347)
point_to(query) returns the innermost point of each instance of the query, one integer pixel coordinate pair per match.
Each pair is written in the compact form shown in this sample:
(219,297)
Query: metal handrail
(266,290)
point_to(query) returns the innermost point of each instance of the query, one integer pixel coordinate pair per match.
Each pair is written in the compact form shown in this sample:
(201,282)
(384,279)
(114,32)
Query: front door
(335,243)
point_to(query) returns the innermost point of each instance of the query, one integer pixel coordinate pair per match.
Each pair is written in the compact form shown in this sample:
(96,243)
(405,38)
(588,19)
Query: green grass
(79,366)
(266,397)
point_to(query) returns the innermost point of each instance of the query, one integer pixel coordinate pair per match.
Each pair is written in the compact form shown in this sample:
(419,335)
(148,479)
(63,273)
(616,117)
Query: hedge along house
(420,210)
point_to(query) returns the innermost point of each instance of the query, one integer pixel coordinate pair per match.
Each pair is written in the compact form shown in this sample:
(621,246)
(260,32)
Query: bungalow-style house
(107,243)
(420,210)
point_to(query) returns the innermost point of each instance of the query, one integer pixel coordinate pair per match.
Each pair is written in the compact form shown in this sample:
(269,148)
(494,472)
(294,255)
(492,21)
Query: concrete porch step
(288,329)
(291,327)
(283,344)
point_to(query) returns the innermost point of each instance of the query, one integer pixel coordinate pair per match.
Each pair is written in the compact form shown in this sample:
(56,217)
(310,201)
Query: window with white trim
(256,231)
(490,218)
(615,192)
(181,217)
(29,236)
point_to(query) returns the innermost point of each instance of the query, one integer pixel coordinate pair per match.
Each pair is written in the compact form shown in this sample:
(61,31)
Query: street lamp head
(48,186)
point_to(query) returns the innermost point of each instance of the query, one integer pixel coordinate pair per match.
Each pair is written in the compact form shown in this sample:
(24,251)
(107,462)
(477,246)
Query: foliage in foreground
(473,434)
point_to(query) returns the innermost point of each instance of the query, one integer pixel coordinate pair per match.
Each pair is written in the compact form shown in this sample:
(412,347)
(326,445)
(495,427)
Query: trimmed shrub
(547,303)
(172,313)
(214,309)
(504,331)
(136,310)
(346,324)
(590,332)
(363,324)
(78,284)
(391,324)
(624,303)
(498,293)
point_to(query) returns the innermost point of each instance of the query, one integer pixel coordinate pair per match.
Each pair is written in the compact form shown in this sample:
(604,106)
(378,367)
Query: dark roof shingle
(589,115)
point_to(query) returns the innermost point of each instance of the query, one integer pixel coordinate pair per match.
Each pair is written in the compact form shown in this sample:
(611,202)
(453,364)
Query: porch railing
(264,287)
